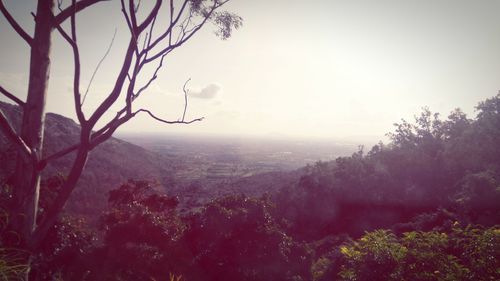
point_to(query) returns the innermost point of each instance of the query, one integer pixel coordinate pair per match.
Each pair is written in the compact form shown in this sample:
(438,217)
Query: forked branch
(153,77)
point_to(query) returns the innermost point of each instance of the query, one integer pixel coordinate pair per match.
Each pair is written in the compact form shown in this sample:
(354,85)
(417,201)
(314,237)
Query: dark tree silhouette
(149,44)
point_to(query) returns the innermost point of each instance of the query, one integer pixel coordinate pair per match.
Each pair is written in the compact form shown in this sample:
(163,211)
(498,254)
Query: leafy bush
(468,253)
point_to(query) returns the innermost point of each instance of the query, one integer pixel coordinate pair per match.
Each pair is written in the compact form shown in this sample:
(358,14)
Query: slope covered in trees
(423,207)
(96,181)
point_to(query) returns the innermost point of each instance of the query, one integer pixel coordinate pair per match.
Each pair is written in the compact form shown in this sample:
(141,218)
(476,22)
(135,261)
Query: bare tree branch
(74,147)
(108,132)
(131,26)
(69,185)
(172,8)
(76,60)
(146,37)
(150,34)
(171,26)
(130,96)
(97,67)
(12,135)
(126,113)
(57,155)
(136,8)
(115,93)
(53,211)
(192,16)
(59,5)
(166,121)
(155,75)
(15,25)
(151,17)
(12,97)
(186,36)
(96,137)
(136,33)
(133,19)
(185,98)
(80,5)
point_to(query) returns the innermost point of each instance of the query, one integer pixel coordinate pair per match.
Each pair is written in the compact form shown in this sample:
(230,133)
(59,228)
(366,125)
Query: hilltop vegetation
(423,207)
(124,159)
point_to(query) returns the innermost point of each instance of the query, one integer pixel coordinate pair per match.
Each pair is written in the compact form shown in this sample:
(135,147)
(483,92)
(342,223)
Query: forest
(424,206)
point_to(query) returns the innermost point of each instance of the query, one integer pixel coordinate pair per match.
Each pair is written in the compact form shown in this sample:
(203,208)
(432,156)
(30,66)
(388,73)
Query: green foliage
(173,277)
(137,204)
(376,256)
(430,164)
(427,258)
(479,250)
(320,268)
(479,191)
(225,22)
(13,264)
(65,250)
(142,234)
(236,238)
(13,261)
(465,254)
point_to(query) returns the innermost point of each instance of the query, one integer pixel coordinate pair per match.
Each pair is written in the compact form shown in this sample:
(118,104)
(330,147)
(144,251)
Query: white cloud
(209,92)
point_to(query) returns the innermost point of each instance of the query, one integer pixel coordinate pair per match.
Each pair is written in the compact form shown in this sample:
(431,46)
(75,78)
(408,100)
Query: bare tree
(149,44)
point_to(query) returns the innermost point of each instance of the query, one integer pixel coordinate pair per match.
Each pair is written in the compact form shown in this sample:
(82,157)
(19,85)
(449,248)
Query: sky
(326,69)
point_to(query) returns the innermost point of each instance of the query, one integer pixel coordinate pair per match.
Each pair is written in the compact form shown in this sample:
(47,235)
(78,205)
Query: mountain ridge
(105,167)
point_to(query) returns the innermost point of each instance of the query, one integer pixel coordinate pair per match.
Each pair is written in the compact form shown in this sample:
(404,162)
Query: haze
(315,69)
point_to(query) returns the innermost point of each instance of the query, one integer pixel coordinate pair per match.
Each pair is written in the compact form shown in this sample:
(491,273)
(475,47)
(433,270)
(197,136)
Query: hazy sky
(317,68)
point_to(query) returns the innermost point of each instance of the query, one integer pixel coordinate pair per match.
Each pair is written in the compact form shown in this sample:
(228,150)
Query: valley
(208,167)
(216,158)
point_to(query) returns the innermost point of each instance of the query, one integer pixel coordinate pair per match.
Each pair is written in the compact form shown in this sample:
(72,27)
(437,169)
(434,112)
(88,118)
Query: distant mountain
(109,165)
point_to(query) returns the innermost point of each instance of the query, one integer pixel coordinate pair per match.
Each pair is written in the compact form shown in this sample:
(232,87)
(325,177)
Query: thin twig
(166,121)
(185,37)
(155,75)
(136,9)
(145,42)
(170,27)
(59,5)
(185,98)
(150,33)
(97,67)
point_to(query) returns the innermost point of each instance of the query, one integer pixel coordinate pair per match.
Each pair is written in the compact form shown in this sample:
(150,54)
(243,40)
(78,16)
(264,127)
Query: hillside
(109,165)
(116,161)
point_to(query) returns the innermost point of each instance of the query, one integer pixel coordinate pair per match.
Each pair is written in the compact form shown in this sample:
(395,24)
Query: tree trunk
(27,175)
(52,214)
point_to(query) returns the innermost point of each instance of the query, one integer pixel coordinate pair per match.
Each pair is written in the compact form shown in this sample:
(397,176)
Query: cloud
(209,92)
